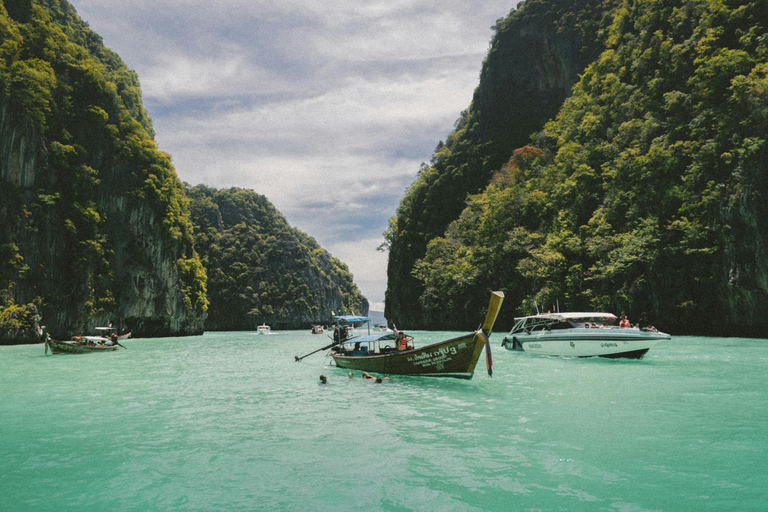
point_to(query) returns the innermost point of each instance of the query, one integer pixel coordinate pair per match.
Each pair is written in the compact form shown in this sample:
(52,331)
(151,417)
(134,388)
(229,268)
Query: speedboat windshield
(562,321)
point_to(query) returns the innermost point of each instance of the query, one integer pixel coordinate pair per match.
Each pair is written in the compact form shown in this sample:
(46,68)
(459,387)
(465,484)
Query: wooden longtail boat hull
(70,347)
(453,358)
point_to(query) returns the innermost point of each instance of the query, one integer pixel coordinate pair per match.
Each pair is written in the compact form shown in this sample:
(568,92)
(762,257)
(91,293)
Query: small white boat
(318,329)
(581,335)
(265,329)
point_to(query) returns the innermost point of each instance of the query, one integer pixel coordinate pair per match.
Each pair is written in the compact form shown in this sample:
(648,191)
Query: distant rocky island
(260,269)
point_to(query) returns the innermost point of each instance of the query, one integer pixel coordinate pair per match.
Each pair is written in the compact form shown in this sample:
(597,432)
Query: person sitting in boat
(402,341)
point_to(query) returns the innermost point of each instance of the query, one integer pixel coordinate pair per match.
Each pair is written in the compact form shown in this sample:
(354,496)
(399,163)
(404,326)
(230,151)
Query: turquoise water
(229,421)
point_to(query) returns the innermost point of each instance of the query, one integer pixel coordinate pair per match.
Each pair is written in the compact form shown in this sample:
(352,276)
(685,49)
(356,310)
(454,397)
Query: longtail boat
(81,346)
(384,353)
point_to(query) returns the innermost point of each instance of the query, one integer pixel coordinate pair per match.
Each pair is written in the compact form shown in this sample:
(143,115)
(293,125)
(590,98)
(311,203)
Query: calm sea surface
(230,422)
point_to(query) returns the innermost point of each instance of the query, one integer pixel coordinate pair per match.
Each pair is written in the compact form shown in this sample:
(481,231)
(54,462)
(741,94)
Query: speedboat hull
(631,343)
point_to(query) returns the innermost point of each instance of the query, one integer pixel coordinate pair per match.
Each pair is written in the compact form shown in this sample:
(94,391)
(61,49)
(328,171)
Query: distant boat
(265,329)
(580,335)
(79,345)
(109,331)
(317,329)
(110,340)
(379,353)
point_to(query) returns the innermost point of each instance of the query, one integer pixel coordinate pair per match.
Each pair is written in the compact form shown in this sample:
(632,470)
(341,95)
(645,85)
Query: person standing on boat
(624,321)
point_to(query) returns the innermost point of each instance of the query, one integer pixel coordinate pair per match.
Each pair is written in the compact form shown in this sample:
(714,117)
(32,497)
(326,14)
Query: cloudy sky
(326,108)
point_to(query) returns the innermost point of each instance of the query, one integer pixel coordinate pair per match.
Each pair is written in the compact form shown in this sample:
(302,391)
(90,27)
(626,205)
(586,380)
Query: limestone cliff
(93,220)
(534,60)
(645,194)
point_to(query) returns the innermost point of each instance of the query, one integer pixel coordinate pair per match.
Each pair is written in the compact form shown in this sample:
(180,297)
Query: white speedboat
(580,335)
(265,329)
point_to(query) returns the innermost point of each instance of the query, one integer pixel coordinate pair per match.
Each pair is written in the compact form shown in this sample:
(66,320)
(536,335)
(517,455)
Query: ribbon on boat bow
(488,356)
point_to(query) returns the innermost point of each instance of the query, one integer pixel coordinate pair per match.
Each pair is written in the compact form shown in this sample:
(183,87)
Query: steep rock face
(745,257)
(93,216)
(18,151)
(647,192)
(260,269)
(535,58)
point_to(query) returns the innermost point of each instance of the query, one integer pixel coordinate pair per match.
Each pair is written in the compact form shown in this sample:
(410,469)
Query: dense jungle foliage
(648,192)
(535,57)
(77,157)
(260,269)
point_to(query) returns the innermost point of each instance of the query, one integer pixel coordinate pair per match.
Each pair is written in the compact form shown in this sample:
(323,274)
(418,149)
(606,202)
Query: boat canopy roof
(353,318)
(568,316)
(370,338)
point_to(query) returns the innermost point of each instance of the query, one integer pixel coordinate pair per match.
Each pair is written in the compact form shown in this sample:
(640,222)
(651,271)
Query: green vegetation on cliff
(260,269)
(94,223)
(535,58)
(647,193)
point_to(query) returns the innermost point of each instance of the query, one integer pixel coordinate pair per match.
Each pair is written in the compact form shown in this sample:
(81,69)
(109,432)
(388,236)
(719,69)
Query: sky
(326,108)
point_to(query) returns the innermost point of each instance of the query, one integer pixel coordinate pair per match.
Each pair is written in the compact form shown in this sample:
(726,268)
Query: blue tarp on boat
(353,318)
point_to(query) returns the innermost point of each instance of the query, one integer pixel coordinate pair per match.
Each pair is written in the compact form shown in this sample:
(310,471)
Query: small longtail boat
(83,344)
(76,346)
(456,357)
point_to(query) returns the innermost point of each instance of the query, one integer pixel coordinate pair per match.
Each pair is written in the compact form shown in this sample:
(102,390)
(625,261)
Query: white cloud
(326,108)
(178,76)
